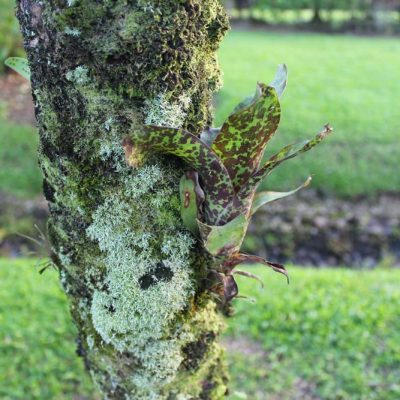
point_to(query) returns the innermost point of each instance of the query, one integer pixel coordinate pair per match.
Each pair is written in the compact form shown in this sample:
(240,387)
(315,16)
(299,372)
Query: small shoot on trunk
(20,66)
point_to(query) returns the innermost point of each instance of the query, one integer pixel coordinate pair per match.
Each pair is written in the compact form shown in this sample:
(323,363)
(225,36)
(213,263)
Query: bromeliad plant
(218,193)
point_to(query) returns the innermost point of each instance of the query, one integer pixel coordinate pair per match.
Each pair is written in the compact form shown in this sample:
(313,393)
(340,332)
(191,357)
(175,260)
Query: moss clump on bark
(98,71)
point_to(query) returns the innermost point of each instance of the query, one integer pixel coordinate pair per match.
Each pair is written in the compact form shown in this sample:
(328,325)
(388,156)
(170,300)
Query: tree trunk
(132,273)
(316,19)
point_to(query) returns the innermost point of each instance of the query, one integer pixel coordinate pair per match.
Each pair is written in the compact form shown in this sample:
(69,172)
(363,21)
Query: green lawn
(331,334)
(351,82)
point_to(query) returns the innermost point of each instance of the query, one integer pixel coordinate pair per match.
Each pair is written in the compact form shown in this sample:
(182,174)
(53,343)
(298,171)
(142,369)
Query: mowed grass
(331,334)
(37,338)
(351,82)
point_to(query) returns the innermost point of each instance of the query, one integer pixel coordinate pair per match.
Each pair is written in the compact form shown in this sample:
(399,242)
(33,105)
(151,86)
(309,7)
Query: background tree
(130,270)
(316,7)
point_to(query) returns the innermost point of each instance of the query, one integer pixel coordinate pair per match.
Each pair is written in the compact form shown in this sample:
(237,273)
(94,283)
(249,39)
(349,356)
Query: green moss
(131,24)
(168,64)
(47,117)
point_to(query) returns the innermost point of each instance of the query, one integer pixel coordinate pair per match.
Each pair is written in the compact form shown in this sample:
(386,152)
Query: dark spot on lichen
(111,308)
(160,273)
(105,288)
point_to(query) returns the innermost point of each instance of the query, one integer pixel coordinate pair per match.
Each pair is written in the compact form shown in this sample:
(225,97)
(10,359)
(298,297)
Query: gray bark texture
(132,273)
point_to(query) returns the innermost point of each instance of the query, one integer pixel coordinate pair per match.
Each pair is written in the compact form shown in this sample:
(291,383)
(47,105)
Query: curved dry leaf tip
(307,182)
(249,275)
(327,130)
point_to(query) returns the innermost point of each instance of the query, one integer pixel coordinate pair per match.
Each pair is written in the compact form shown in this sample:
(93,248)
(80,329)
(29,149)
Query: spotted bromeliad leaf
(218,193)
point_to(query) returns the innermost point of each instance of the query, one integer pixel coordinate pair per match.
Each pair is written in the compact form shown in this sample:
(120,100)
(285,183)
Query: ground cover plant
(332,334)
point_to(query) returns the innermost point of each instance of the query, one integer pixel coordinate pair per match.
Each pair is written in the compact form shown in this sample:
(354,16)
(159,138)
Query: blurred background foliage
(331,334)
(10,38)
(366,16)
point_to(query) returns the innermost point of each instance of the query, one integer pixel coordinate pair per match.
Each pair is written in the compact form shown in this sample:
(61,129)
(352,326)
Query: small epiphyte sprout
(19,65)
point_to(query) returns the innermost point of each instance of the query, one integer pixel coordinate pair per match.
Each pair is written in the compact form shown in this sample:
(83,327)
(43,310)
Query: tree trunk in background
(316,19)
(241,5)
(132,273)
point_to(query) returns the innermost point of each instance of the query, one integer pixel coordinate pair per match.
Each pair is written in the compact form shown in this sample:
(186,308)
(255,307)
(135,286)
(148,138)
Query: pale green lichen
(125,315)
(65,257)
(79,75)
(160,111)
(161,361)
(110,149)
(64,281)
(108,123)
(143,181)
(128,258)
(72,31)
(90,342)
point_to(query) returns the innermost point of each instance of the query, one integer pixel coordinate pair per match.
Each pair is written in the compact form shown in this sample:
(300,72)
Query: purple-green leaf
(224,240)
(284,154)
(192,197)
(219,194)
(242,138)
(248,275)
(224,286)
(241,258)
(280,80)
(231,289)
(262,198)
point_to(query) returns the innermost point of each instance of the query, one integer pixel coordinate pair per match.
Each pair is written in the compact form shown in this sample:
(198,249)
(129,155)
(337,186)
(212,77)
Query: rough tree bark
(132,273)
